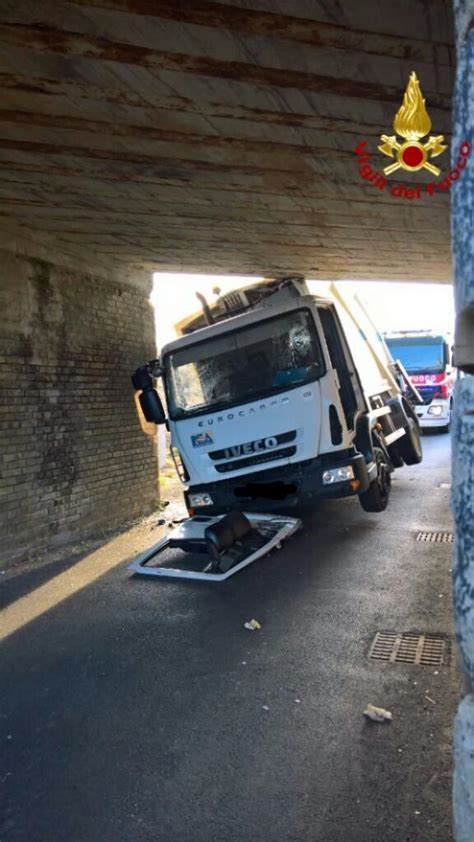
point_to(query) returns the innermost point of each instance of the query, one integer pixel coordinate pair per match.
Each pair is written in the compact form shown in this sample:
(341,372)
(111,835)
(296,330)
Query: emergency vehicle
(427,359)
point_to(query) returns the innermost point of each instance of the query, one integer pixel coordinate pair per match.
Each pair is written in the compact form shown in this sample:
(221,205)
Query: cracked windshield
(255,361)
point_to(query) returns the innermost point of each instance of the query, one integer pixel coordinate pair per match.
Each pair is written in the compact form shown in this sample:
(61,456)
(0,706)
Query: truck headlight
(200,499)
(338,475)
(435,410)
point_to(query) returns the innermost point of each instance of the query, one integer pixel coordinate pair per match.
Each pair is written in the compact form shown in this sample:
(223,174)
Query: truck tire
(375,499)
(409,447)
(395,456)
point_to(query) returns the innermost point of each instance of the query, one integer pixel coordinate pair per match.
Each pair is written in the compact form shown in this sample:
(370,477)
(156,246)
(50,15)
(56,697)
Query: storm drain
(426,650)
(435,537)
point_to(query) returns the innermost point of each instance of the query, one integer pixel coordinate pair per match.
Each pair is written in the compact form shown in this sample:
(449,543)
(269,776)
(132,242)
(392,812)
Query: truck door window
(339,362)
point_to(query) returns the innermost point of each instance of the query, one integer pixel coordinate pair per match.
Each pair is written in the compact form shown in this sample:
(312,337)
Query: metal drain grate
(435,537)
(408,648)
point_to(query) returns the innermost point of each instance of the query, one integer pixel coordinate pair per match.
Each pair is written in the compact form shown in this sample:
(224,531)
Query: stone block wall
(73,459)
(462,229)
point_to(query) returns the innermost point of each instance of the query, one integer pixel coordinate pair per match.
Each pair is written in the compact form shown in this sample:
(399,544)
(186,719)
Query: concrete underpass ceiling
(219,137)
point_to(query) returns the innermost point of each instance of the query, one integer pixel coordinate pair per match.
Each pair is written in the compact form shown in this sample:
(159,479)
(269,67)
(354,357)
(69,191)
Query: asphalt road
(135,709)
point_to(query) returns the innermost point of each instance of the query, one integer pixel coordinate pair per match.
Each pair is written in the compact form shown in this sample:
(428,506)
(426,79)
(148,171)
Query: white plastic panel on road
(194,529)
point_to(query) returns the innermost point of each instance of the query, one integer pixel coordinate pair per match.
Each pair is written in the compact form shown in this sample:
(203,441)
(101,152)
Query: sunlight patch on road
(66,584)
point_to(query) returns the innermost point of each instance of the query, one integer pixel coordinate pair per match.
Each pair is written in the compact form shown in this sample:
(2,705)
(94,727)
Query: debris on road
(230,542)
(429,699)
(252,625)
(377,714)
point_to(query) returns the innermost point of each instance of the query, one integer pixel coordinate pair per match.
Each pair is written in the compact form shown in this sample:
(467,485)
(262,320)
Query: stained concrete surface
(137,710)
(218,137)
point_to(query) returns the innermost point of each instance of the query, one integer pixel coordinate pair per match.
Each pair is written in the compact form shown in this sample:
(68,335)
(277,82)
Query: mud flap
(190,551)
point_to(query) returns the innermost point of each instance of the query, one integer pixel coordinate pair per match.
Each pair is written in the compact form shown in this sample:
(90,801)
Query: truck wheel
(409,447)
(397,460)
(375,499)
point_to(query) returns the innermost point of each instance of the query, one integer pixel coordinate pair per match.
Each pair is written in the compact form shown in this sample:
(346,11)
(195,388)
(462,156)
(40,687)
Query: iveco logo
(241,413)
(250,447)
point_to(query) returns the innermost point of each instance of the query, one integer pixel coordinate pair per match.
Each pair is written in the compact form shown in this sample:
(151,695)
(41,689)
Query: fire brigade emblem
(412,123)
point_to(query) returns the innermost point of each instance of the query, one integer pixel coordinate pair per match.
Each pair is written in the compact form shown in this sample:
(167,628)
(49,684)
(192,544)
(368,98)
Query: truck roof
(263,311)
(371,356)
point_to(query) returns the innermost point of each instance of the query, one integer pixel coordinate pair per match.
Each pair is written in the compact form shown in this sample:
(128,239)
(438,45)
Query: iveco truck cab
(427,359)
(276,397)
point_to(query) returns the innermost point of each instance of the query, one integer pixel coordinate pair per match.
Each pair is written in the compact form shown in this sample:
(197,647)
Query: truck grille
(268,456)
(238,450)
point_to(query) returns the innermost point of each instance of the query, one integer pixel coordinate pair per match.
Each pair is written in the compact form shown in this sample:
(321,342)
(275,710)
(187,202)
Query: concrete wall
(463,427)
(73,460)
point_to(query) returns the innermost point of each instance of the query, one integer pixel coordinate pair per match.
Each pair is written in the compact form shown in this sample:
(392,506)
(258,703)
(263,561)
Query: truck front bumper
(283,488)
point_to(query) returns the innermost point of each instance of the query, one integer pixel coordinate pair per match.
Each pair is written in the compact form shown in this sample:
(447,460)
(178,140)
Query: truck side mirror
(152,407)
(149,398)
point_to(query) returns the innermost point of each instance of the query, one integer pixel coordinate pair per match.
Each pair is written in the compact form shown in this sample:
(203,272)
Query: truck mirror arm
(149,398)
(141,378)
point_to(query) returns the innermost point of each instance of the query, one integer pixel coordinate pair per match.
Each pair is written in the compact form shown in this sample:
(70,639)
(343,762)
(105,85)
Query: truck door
(350,391)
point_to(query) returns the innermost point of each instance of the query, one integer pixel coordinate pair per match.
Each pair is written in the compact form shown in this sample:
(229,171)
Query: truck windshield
(419,354)
(272,356)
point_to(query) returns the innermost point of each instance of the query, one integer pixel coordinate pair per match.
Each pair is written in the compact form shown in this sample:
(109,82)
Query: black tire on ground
(375,499)
(409,446)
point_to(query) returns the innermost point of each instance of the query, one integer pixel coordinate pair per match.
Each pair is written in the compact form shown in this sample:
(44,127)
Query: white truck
(276,397)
